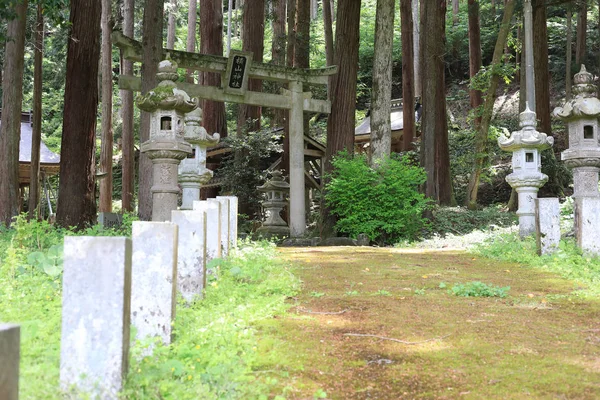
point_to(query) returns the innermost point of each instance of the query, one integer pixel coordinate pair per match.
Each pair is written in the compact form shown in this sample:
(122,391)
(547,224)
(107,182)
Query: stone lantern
(166,147)
(192,170)
(527,178)
(275,191)
(583,155)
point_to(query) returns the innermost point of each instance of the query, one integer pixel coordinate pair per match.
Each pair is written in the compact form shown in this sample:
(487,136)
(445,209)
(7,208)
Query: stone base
(299,242)
(338,241)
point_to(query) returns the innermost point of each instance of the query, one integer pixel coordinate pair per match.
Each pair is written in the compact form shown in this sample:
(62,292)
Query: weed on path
(387,324)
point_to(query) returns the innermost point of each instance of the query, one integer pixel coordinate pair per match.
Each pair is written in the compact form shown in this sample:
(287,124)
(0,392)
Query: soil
(541,341)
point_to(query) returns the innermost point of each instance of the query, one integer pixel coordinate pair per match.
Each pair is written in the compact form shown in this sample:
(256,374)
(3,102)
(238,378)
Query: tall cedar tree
(381,93)
(435,157)
(76,194)
(580,49)
(152,39)
(190,43)
(128,163)
(36,133)
(540,61)
(474,58)
(481,137)
(328,33)
(211,42)
(341,121)
(12,99)
(408,78)
(106,151)
(253,33)
(278,48)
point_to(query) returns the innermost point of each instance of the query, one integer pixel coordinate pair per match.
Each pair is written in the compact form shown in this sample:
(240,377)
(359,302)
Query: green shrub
(479,289)
(383,202)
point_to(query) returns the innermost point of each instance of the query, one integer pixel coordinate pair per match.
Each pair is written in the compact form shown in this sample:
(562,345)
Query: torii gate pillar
(297,198)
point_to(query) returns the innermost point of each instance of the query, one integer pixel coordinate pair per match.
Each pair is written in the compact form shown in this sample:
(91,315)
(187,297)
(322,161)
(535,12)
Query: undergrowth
(478,289)
(215,349)
(568,260)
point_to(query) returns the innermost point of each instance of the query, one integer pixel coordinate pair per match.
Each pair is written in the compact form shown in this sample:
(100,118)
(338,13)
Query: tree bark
(488,106)
(76,198)
(328,33)
(417,47)
(542,74)
(211,42)
(381,92)
(341,121)
(106,149)
(36,132)
(474,58)
(408,79)
(302,50)
(580,49)
(290,51)
(128,161)
(152,39)
(569,55)
(253,26)
(12,100)
(278,50)
(171,25)
(434,157)
(190,44)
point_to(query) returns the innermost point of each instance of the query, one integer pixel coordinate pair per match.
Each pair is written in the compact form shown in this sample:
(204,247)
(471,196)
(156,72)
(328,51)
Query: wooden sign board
(236,75)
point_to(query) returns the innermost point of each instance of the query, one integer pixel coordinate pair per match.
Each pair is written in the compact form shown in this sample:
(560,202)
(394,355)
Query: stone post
(275,191)
(297,199)
(212,208)
(547,214)
(154,279)
(10,338)
(94,347)
(166,147)
(192,170)
(224,225)
(526,145)
(587,224)
(191,253)
(233,219)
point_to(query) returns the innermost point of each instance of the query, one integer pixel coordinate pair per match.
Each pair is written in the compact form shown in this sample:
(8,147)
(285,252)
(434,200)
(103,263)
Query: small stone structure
(275,191)
(10,338)
(233,219)
(526,145)
(225,226)
(212,208)
(154,279)
(587,224)
(191,253)
(166,147)
(192,170)
(110,220)
(547,221)
(95,315)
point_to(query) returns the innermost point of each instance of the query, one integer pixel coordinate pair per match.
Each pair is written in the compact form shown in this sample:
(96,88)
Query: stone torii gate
(235,72)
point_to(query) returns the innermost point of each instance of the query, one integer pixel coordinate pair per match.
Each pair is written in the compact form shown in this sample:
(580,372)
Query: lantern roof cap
(277,182)
(527,137)
(585,104)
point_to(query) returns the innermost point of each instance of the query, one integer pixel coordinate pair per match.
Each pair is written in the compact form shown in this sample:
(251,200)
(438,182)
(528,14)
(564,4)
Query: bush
(383,202)
(479,289)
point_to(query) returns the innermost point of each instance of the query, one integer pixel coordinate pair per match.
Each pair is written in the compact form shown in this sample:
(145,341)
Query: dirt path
(539,342)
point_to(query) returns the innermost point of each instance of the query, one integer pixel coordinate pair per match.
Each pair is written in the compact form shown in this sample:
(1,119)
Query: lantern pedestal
(275,191)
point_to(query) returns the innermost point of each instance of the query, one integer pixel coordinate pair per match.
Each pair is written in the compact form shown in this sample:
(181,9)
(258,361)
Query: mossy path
(542,341)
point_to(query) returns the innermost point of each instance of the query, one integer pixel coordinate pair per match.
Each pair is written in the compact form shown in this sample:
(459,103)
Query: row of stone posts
(541,216)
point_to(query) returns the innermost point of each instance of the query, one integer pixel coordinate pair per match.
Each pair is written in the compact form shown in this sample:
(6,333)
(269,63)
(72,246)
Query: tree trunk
(434,157)
(171,25)
(290,51)
(211,42)
(417,48)
(542,74)
(12,99)
(253,27)
(76,198)
(152,30)
(128,161)
(381,92)
(474,58)
(569,55)
(488,106)
(341,121)
(190,44)
(302,50)
(455,10)
(408,79)
(36,132)
(328,33)
(278,50)
(106,149)
(580,50)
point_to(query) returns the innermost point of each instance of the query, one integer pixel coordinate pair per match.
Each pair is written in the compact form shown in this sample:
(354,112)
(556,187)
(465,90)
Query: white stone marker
(224,224)
(547,224)
(213,227)
(587,224)
(191,252)
(233,220)
(10,337)
(94,348)
(154,278)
